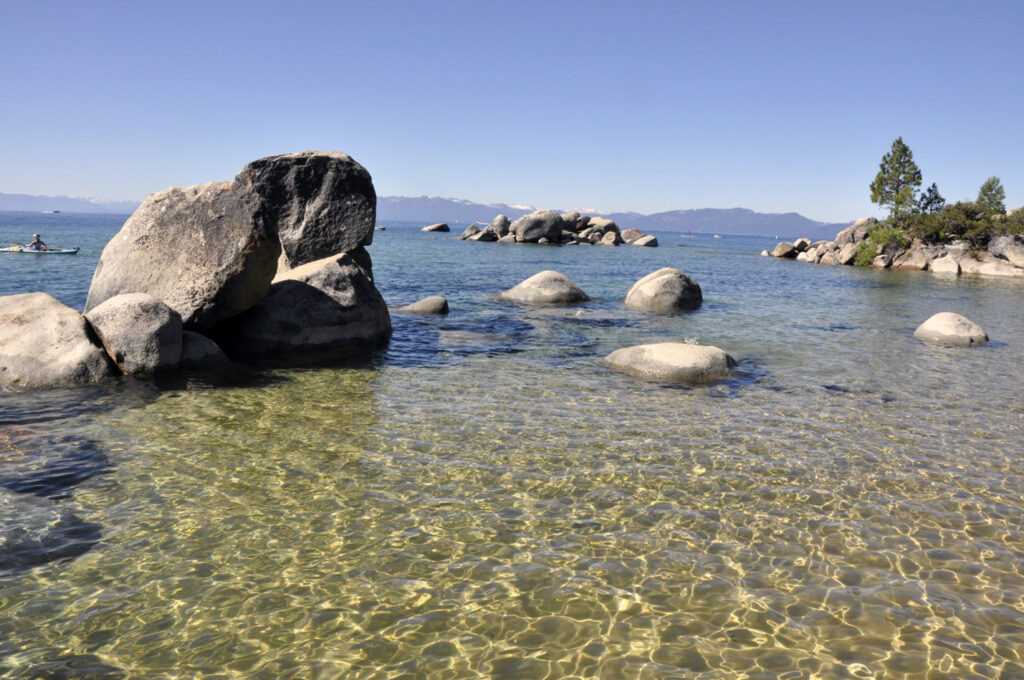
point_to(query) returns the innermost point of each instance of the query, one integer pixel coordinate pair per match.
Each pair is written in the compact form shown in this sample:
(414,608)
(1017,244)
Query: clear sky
(646,106)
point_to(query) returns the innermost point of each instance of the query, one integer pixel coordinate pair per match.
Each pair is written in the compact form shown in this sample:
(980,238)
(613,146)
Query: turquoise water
(485,499)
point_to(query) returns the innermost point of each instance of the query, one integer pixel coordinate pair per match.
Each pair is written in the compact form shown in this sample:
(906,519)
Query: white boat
(33,251)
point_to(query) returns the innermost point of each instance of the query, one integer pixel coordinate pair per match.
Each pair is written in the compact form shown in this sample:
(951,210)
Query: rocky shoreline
(1004,256)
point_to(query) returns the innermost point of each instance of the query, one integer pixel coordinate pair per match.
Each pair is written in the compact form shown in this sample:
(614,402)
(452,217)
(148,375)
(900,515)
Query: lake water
(485,499)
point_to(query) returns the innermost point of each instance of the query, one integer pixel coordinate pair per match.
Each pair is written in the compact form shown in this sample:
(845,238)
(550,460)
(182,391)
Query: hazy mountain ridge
(429,209)
(28,203)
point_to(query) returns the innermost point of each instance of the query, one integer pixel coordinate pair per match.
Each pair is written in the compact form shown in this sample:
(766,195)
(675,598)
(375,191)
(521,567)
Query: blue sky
(650,106)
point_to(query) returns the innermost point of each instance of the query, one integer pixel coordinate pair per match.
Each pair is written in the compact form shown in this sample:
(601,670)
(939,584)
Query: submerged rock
(44,343)
(947,328)
(318,202)
(666,289)
(546,287)
(435,304)
(141,334)
(36,531)
(675,361)
(204,251)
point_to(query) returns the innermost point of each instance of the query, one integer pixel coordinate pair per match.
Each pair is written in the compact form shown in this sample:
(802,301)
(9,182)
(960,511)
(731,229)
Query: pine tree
(896,183)
(992,196)
(931,201)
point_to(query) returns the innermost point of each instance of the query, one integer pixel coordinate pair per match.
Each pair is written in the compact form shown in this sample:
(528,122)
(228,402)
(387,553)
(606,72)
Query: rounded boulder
(435,304)
(666,289)
(546,287)
(947,328)
(141,334)
(674,361)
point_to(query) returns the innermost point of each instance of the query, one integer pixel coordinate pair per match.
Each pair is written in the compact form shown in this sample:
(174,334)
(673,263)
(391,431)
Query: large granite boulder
(666,289)
(802,244)
(44,342)
(604,224)
(500,225)
(846,253)
(675,361)
(546,287)
(537,225)
(947,328)
(485,235)
(648,241)
(200,353)
(630,235)
(856,232)
(1009,248)
(471,230)
(320,311)
(319,202)
(434,304)
(204,251)
(141,334)
(947,264)
(439,227)
(917,258)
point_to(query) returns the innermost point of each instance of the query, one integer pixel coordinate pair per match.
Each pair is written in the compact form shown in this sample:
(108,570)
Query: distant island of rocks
(546,227)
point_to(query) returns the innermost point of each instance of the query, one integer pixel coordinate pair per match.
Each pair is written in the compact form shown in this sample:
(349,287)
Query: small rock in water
(673,361)
(947,328)
(441,226)
(549,287)
(435,304)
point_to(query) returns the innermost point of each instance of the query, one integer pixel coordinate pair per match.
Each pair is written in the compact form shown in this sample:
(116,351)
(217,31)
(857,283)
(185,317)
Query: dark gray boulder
(141,334)
(200,353)
(546,287)
(611,238)
(320,311)
(435,304)
(44,342)
(204,251)
(537,225)
(319,203)
(665,290)
(486,235)
(500,225)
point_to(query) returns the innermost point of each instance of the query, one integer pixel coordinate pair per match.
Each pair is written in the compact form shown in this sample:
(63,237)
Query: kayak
(33,251)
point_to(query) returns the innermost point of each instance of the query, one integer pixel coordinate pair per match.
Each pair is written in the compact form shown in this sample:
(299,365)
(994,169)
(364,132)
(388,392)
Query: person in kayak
(37,243)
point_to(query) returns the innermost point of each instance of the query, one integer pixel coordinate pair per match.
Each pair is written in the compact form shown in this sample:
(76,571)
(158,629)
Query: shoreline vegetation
(922,232)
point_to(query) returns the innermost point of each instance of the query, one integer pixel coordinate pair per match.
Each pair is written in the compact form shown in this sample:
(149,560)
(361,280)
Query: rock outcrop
(947,328)
(204,251)
(320,311)
(319,203)
(434,304)
(1004,257)
(546,227)
(665,290)
(141,334)
(675,361)
(546,287)
(540,224)
(437,227)
(45,343)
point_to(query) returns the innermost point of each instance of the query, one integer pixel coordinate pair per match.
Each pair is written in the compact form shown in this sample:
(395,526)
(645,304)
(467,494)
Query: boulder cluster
(548,227)
(1004,257)
(268,268)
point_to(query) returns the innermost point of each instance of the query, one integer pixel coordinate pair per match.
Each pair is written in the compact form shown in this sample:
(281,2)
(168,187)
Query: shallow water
(484,499)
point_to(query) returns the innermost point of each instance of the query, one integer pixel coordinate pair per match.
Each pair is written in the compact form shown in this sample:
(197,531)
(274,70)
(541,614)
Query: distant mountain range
(429,209)
(77,204)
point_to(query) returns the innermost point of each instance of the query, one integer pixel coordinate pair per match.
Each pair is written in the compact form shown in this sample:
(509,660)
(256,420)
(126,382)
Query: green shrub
(866,251)
(883,234)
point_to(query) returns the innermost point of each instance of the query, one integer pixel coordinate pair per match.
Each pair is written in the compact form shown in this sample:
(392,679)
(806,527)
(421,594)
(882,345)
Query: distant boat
(717,236)
(379,227)
(51,212)
(33,251)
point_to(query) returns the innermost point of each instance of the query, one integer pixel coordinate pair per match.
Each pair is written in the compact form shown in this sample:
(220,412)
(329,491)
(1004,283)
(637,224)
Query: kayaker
(37,243)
